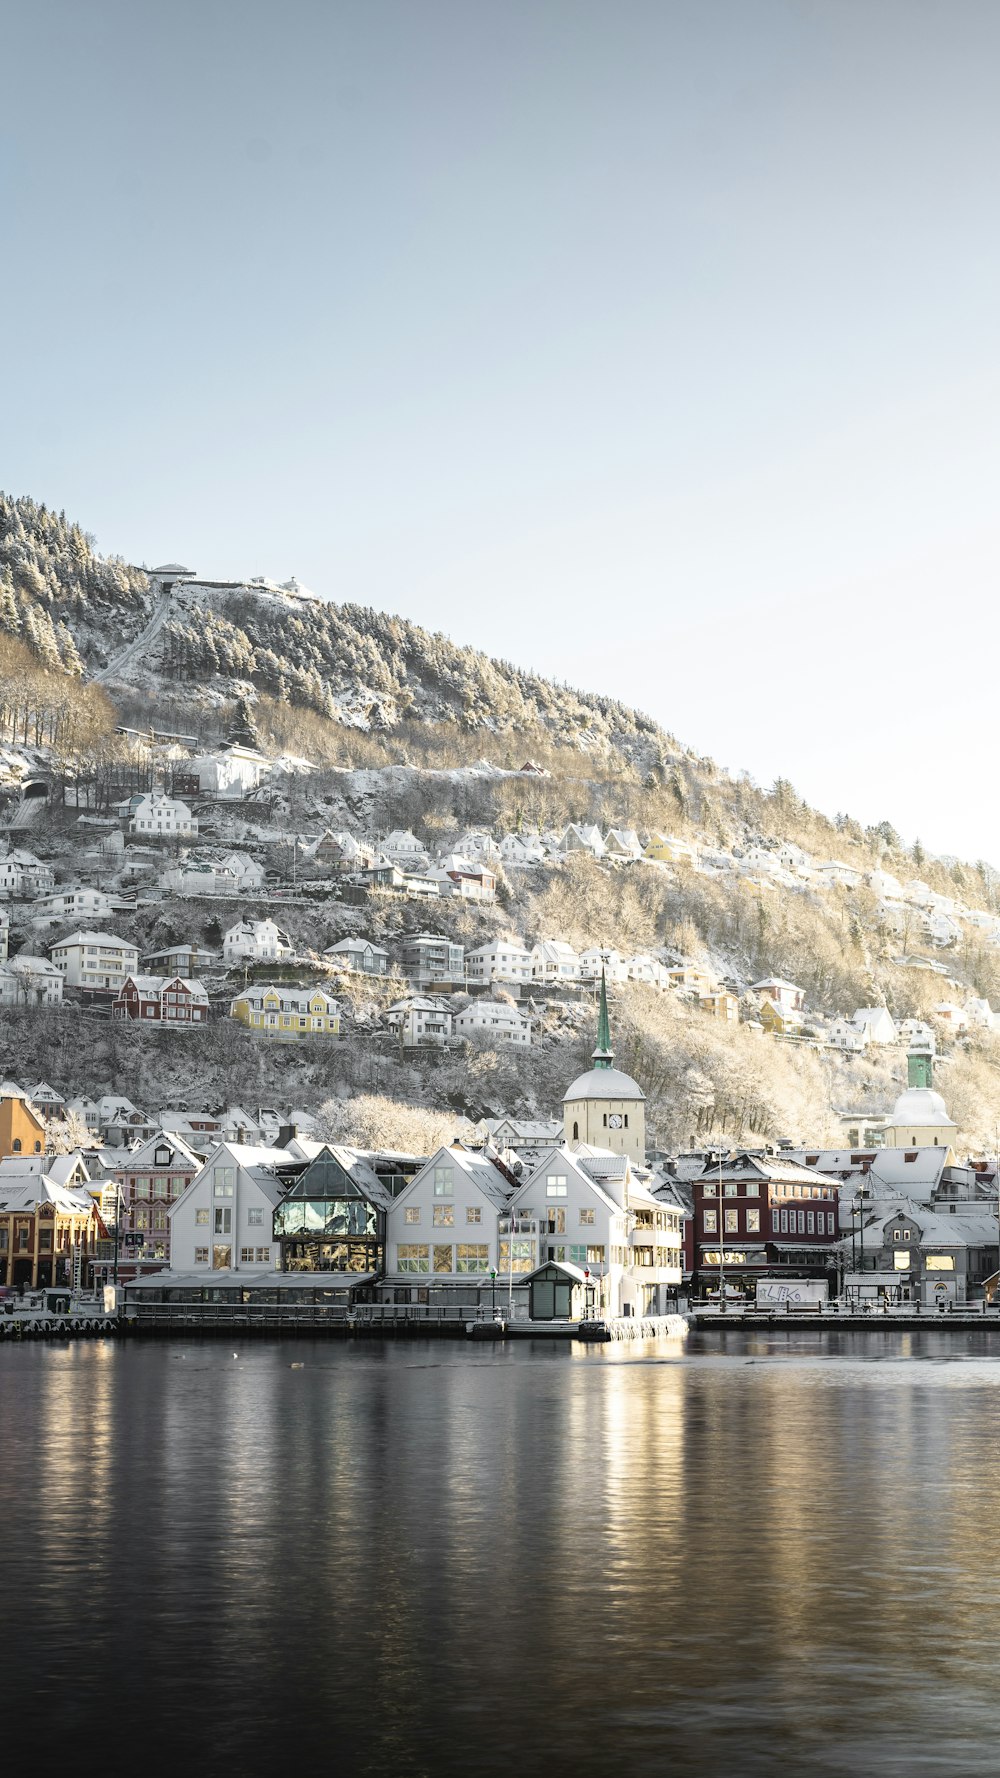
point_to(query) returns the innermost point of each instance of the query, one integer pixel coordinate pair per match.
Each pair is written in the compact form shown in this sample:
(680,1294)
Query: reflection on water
(742,1554)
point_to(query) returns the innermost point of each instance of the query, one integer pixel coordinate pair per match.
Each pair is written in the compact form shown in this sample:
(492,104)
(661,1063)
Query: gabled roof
(480,1172)
(95,938)
(337,1171)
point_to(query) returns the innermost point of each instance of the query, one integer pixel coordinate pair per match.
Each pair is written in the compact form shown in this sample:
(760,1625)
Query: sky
(651,345)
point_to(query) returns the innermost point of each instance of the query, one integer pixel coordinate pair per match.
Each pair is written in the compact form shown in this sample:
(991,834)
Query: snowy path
(135,648)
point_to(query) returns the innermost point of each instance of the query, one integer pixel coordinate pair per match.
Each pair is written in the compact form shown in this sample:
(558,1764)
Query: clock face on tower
(614,1121)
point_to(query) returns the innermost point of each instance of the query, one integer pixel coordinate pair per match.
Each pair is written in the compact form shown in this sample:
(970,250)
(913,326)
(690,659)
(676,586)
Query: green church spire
(603,1055)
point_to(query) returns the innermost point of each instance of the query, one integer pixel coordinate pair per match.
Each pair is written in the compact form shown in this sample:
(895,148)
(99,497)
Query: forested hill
(209,642)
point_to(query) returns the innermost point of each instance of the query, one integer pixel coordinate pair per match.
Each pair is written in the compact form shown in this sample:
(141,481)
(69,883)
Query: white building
(21,873)
(788,998)
(501,960)
(73,904)
(580,837)
(30,981)
(554,961)
(495,1019)
(622,842)
(843,1034)
(877,1023)
(420,1022)
(161,817)
(95,960)
(403,848)
(598,961)
(521,848)
(360,955)
(223,1222)
(233,874)
(644,968)
(230,773)
(256,941)
(444,1225)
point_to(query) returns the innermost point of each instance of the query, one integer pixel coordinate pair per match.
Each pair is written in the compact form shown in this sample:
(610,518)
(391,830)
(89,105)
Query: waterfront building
(333,1218)
(154,1175)
(45,1226)
(911,1253)
(757,1216)
(443,1228)
(223,1221)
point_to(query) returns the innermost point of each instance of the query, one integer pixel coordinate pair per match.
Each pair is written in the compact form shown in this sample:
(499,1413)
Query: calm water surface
(734,1555)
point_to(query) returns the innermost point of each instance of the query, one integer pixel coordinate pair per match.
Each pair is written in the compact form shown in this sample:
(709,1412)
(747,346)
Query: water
(740,1555)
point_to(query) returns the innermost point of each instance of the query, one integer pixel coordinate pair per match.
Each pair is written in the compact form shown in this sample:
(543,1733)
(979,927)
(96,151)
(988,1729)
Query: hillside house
(256,941)
(169,1000)
(30,981)
(690,978)
(501,960)
(96,962)
(917,1035)
(663,848)
(46,1100)
(428,960)
(473,881)
(721,1004)
(341,853)
(24,875)
(622,843)
(233,874)
(493,1019)
(183,960)
(554,961)
(779,1021)
(286,1015)
(598,961)
(230,773)
(582,838)
(159,817)
(981,1014)
(359,955)
(420,1022)
(73,904)
(403,848)
(643,968)
(843,1034)
(784,995)
(478,846)
(521,848)
(832,874)
(953,1017)
(877,1023)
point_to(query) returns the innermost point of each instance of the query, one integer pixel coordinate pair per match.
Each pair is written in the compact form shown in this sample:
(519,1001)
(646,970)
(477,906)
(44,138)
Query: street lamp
(858,1210)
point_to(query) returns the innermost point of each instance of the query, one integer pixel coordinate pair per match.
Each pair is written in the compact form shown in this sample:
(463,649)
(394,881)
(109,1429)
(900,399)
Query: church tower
(605,1108)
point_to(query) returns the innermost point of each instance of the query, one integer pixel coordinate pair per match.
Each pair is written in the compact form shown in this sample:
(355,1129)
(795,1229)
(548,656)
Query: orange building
(21,1128)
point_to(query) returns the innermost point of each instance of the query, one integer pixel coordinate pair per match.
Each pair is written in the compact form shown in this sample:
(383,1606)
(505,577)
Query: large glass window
(473,1258)
(414,1259)
(223,1221)
(443,1259)
(224,1181)
(523,1256)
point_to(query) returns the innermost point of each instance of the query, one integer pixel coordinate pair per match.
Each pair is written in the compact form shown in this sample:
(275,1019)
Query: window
(255,1218)
(753,1222)
(831,1224)
(516,1256)
(142,1219)
(732,1222)
(412,1214)
(940,1262)
(263,1256)
(473,1259)
(159,1187)
(413,1259)
(595,1256)
(142,1187)
(443,1216)
(443,1259)
(802,1222)
(473,1213)
(732,1189)
(223,1222)
(753,1191)
(587,1219)
(201,1256)
(224,1179)
(443,1183)
(555,1185)
(711,1222)
(201,1219)
(16,1145)
(810,1222)
(246,1256)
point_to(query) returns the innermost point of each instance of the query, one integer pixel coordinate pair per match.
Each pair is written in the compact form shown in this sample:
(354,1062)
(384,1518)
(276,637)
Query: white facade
(421,1022)
(444,1226)
(97,960)
(502,960)
(554,961)
(235,874)
(162,817)
(230,773)
(30,981)
(877,1023)
(223,1222)
(73,904)
(844,1035)
(495,1019)
(596,961)
(21,873)
(255,941)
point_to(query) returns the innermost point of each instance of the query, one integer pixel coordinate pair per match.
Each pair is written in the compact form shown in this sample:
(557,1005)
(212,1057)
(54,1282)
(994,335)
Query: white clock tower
(605,1108)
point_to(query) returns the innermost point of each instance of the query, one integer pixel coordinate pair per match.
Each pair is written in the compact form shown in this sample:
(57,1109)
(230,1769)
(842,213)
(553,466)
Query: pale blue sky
(650,344)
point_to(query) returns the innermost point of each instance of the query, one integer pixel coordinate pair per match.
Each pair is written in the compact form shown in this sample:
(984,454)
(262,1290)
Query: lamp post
(493,1292)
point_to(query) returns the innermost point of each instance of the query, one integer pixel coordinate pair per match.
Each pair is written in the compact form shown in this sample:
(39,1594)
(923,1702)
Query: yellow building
(287,1014)
(43,1227)
(21,1129)
(721,1005)
(662,849)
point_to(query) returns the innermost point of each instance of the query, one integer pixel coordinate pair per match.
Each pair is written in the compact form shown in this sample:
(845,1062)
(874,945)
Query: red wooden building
(167,999)
(757,1216)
